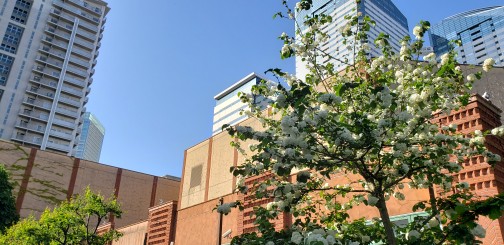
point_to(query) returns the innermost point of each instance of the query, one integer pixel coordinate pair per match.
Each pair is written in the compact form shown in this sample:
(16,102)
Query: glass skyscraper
(481,32)
(388,19)
(91,138)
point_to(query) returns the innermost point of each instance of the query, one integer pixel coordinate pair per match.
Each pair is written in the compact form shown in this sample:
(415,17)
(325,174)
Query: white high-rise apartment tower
(389,20)
(47,59)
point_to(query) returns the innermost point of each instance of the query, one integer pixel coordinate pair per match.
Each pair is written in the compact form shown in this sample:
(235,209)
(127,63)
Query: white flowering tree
(371,122)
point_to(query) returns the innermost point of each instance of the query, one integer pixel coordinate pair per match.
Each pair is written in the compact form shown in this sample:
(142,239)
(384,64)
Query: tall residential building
(481,32)
(228,104)
(388,19)
(47,59)
(91,138)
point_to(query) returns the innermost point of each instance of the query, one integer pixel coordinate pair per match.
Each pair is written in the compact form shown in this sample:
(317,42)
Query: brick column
(162,223)
(483,179)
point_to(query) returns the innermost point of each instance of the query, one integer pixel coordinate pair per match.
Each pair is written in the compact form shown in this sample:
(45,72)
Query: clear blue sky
(162,61)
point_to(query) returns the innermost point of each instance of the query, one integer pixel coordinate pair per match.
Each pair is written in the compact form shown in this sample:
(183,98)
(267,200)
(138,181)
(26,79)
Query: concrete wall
(43,179)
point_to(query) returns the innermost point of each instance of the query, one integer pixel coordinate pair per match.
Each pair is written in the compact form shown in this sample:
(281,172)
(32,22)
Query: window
(8,48)
(6,59)
(1,94)
(17,19)
(15,30)
(5,66)
(11,39)
(21,11)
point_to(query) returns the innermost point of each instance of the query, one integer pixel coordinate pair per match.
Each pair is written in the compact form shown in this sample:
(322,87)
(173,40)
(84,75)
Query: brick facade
(162,223)
(483,179)
(44,179)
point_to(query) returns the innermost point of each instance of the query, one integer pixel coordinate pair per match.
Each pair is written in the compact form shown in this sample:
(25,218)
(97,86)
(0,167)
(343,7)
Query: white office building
(47,59)
(228,104)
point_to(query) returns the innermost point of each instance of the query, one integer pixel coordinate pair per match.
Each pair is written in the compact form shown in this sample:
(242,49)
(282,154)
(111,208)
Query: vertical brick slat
(73,178)
(181,189)
(116,193)
(153,192)
(26,178)
(209,166)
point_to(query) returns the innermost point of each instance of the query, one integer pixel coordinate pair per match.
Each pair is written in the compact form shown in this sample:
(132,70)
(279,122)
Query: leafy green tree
(8,213)
(72,222)
(371,125)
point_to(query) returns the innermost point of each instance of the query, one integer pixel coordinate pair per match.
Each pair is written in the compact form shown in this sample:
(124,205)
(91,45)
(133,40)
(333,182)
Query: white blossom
(488,64)
(417,31)
(471,78)
(430,57)
(444,59)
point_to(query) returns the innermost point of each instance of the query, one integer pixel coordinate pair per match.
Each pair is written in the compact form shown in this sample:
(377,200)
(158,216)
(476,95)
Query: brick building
(43,179)
(206,178)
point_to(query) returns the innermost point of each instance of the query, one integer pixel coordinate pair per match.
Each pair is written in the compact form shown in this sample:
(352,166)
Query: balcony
(47,72)
(36,79)
(82,53)
(41,92)
(38,103)
(58,147)
(77,71)
(54,42)
(64,123)
(58,13)
(67,112)
(76,92)
(61,134)
(79,62)
(78,11)
(93,28)
(51,62)
(31,126)
(75,81)
(69,101)
(35,115)
(53,52)
(61,25)
(57,33)
(88,90)
(86,6)
(84,44)
(30,139)
(86,35)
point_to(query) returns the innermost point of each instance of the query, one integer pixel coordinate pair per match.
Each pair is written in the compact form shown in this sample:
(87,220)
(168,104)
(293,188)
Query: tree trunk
(384,215)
